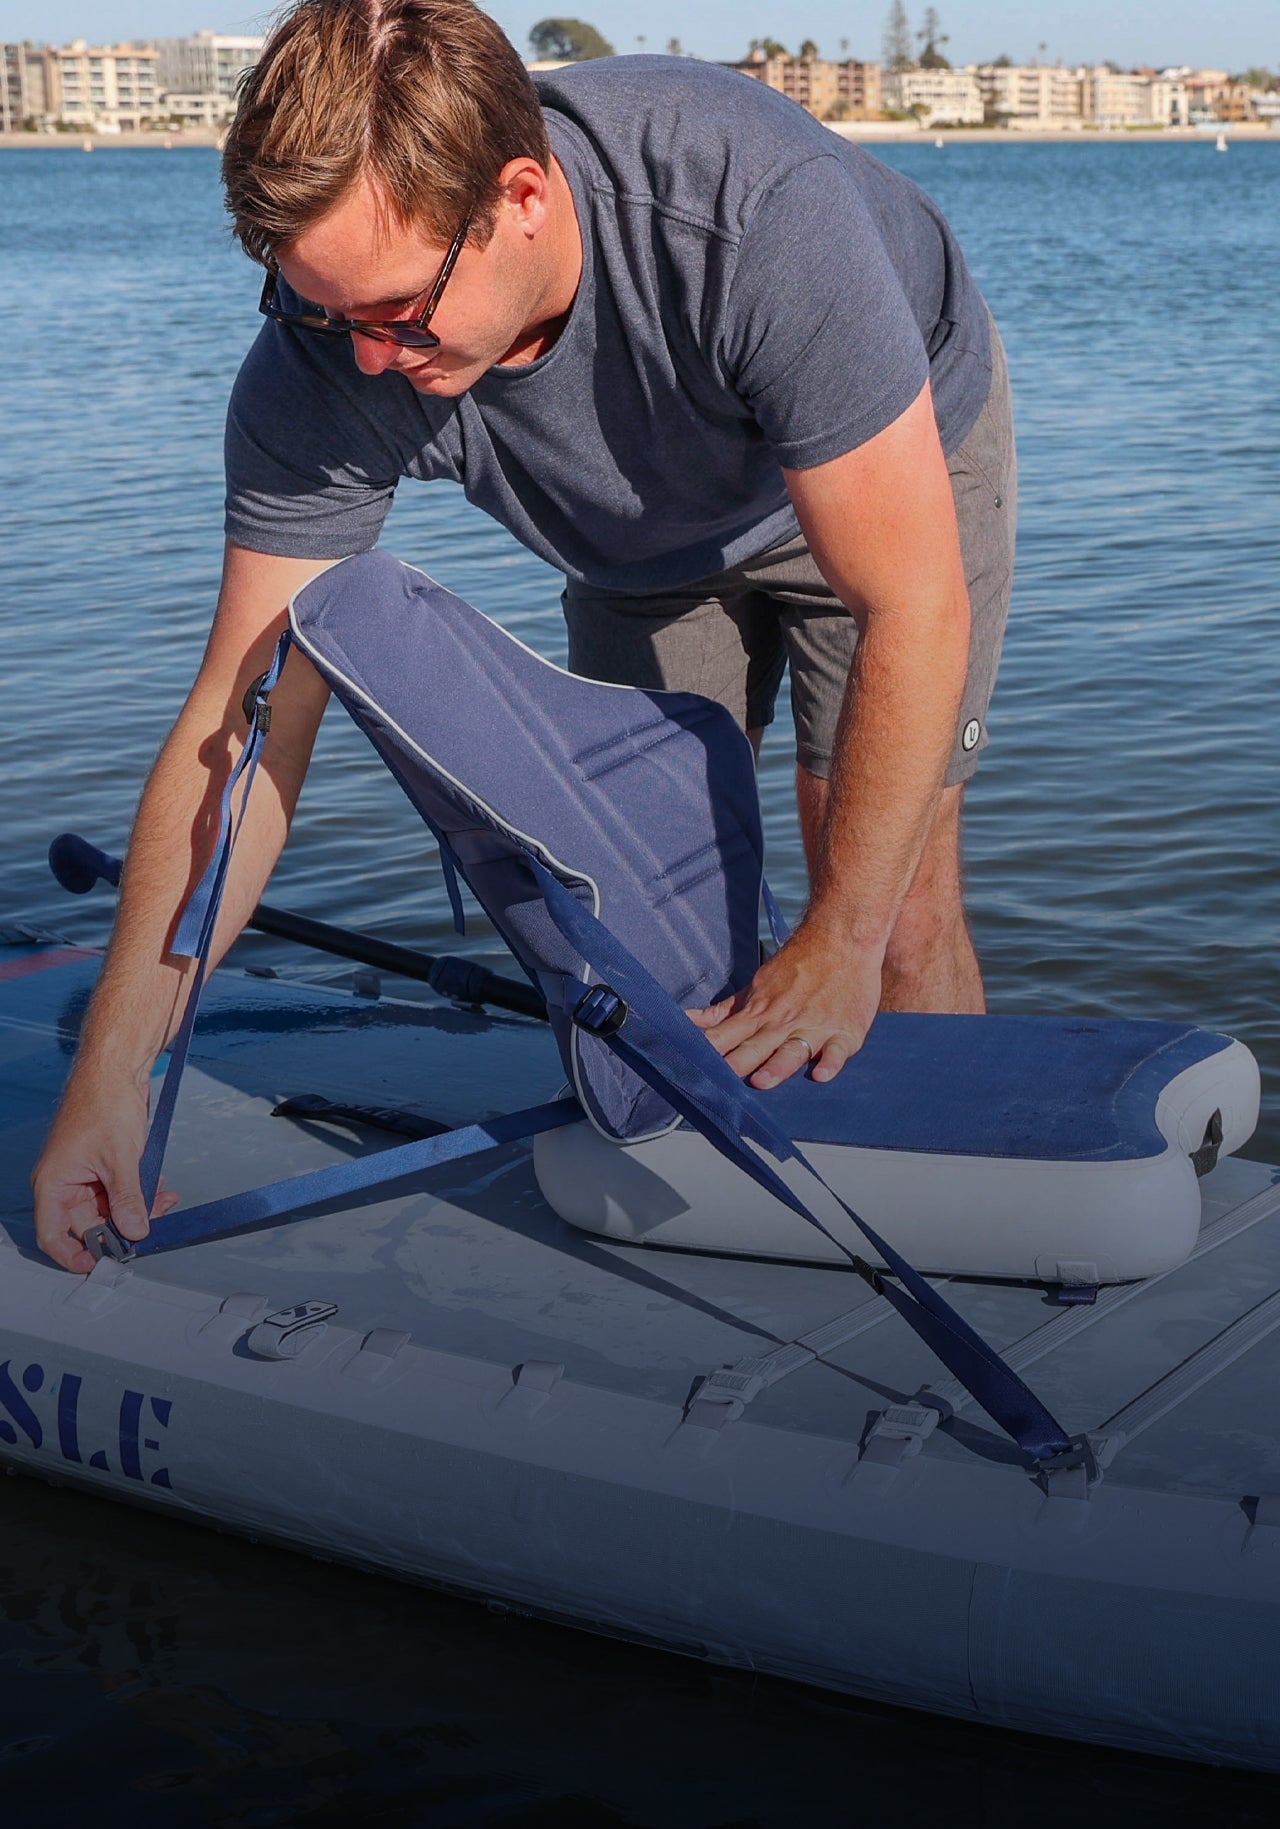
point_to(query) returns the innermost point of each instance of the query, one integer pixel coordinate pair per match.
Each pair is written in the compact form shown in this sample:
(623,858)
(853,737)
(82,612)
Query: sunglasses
(410,333)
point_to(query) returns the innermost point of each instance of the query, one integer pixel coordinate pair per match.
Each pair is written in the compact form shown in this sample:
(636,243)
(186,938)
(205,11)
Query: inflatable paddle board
(750,1462)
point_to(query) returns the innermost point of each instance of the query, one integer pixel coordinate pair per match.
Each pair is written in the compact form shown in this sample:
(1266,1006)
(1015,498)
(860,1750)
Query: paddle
(78,865)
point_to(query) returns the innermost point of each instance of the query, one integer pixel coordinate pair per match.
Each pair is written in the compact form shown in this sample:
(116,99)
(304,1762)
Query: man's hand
(811,1003)
(88,1173)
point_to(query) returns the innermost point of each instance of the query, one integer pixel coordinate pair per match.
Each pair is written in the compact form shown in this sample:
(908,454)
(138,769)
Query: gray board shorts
(730,637)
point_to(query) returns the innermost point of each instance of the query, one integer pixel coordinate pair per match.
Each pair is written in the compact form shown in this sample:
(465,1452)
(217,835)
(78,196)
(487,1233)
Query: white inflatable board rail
(1062,1151)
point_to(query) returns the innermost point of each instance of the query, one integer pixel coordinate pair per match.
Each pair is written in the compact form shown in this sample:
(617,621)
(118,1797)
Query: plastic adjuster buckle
(255,707)
(901,1429)
(870,1275)
(738,1383)
(600,1011)
(1072,1471)
(1076,1295)
(104,1241)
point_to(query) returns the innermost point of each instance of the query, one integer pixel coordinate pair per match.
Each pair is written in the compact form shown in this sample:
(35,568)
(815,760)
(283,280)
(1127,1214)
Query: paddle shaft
(77,865)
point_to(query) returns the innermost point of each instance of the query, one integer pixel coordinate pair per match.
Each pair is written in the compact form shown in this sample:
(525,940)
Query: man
(729,374)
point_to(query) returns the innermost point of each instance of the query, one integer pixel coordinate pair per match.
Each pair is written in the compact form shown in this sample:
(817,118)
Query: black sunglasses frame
(408,333)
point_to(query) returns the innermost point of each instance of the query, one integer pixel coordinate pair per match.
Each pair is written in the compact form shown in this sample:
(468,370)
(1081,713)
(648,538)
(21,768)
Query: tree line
(903,48)
(575,41)
(900,41)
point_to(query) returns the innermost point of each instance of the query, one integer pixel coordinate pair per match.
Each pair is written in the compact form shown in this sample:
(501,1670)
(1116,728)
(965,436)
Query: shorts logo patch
(970,734)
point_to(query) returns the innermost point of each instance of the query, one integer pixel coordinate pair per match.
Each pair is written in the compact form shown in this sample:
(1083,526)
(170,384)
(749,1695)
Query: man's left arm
(880,521)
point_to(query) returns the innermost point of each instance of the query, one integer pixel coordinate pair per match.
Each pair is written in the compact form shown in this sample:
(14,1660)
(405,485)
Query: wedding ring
(806,1044)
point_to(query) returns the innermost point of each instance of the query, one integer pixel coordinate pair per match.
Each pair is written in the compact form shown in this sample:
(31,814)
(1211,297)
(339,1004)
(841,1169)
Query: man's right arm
(88,1169)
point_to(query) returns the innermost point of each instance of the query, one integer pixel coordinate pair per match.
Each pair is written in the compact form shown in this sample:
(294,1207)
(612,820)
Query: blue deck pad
(1036,1088)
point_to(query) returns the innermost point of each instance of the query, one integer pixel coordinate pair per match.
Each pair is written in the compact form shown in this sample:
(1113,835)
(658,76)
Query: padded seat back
(643,804)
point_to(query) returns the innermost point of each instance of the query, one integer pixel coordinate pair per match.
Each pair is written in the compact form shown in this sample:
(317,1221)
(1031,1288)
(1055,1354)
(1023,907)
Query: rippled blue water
(1120,839)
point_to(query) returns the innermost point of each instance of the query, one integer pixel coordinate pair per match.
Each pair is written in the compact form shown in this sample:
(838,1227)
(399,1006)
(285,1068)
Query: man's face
(357,262)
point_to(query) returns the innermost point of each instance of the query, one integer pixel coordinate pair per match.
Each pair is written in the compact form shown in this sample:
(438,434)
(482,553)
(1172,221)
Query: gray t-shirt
(756,293)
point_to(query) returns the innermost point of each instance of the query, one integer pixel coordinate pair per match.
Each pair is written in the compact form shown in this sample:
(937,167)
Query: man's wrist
(111,1064)
(848,933)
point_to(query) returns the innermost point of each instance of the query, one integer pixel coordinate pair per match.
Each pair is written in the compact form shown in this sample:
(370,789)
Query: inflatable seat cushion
(1035,1088)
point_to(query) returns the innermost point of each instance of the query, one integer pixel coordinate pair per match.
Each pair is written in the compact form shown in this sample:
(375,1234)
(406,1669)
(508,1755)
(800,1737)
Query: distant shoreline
(869,133)
(76,142)
(875,133)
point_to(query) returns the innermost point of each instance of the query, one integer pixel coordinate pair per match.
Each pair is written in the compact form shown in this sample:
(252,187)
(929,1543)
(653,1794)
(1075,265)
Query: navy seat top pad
(1042,1088)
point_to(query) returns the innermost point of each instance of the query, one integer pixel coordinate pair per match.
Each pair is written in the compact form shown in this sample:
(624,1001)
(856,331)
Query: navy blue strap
(449,865)
(774,915)
(237,1212)
(450,871)
(658,1041)
(194,936)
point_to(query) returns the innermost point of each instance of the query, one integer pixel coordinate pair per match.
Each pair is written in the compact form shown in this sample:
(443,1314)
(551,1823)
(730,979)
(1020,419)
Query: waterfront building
(1037,98)
(1170,102)
(27,86)
(1113,98)
(206,63)
(845,91)
(202,111)
(1214,96)
(937,98)
(103,88)
(1134,98)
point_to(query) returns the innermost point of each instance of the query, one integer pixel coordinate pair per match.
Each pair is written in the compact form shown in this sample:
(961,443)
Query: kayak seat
(1013,1146)
(1039,1147)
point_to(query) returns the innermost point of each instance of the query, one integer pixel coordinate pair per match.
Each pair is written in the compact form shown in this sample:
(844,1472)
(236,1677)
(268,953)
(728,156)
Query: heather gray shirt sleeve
(310,471)
(820,340)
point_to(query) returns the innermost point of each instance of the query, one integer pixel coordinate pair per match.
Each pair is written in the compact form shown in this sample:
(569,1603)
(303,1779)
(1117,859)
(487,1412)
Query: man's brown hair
(425,97)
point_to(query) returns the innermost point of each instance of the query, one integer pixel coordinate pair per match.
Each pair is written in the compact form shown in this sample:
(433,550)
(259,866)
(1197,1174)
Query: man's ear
(526,191)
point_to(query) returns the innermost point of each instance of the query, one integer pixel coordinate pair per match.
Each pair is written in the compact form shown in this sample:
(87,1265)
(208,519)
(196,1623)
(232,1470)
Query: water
(1120,840)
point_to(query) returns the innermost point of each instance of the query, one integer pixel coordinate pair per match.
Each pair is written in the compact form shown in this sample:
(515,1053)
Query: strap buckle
(104,1241)
(255,707)
(1072,1471)
(901,1429)
(600,1011)
(1076,1295)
